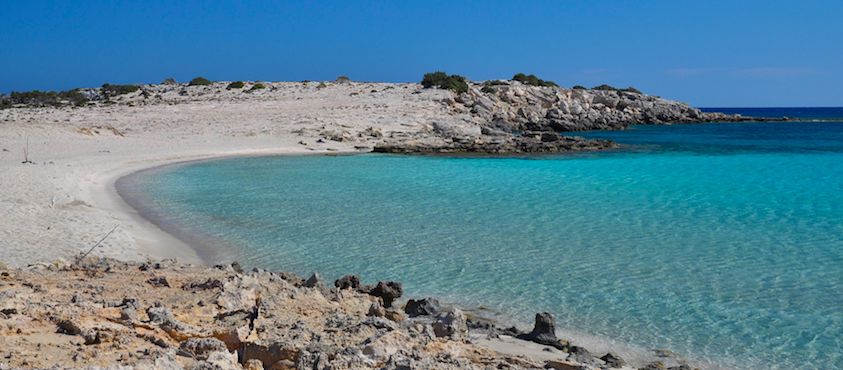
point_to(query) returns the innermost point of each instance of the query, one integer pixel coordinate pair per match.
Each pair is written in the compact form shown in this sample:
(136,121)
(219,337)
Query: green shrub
(632,90)
(605,88)
(110,90)
(488,89)
(235,85)
(257,86)
(579,87)
(343,79)
(532,80)
(321,85)
(36,98)
(434,79)
(199,81)
(5,102)
(169,81)
(442,80)
(494,83)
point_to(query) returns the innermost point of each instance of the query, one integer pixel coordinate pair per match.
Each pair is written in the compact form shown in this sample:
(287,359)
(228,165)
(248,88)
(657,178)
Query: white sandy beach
(66,201)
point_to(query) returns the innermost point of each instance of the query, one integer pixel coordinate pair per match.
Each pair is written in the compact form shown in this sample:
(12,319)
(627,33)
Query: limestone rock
(451,324)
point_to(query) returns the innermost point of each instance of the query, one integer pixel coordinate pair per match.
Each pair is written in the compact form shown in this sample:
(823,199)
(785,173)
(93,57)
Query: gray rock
(388,291)
(612,360)
(451,324)
(313,281)
(422,307)
(200,348)
(544,332)
(348,282)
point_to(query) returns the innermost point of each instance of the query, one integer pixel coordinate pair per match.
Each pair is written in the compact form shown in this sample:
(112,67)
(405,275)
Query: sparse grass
(442,80)
(199,81)
(532,80)
(235,85)
(110,90)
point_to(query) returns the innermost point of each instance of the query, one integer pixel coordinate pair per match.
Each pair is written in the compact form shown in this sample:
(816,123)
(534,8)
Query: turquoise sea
(720,242)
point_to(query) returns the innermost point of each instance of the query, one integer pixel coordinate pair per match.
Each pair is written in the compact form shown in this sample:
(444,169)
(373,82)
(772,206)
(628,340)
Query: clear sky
(708,53)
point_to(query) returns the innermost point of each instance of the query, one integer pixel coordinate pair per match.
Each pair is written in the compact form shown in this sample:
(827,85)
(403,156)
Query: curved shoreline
(203,246)
(154,228)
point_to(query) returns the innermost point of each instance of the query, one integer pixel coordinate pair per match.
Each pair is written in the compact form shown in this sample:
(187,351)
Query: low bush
(442,80)
(532,80)
(257,86)
(321,85)
(579,87)
(612,88)
(343,79)
(169,81)
(488,89)
(109,90)
(199,81)
(5,102)
(235,85)
(605,88)
(37,98)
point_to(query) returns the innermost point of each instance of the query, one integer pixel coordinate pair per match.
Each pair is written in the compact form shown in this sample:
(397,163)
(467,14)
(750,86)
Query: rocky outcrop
(544,332)
(422,307)
(511,106)
(497,144)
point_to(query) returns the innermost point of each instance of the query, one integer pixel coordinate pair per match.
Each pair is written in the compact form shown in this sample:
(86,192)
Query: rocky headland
(491,117)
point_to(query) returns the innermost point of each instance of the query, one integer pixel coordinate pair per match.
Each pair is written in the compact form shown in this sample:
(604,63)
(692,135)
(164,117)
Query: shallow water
(722,242)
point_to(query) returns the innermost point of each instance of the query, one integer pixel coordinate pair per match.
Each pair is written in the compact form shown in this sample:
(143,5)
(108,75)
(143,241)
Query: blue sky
(708,53)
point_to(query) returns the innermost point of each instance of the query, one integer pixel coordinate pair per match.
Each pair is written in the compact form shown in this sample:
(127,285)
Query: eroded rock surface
(104,313)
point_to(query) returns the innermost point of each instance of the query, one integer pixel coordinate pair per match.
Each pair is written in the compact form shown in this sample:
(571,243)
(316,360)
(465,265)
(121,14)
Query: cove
(720,242)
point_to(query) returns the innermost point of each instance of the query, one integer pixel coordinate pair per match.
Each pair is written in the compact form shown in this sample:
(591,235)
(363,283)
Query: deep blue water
(722,242)
(822,113)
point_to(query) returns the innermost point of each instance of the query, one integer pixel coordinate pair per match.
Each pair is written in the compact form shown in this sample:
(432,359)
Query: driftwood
(80,258)
(26,153)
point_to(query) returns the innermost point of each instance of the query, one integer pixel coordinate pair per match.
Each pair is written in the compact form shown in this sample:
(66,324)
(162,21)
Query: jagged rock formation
(510,106)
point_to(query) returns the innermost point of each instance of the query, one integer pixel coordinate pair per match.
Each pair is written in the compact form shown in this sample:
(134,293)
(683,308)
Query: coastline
(64,196)
(508,345)
(164,229)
